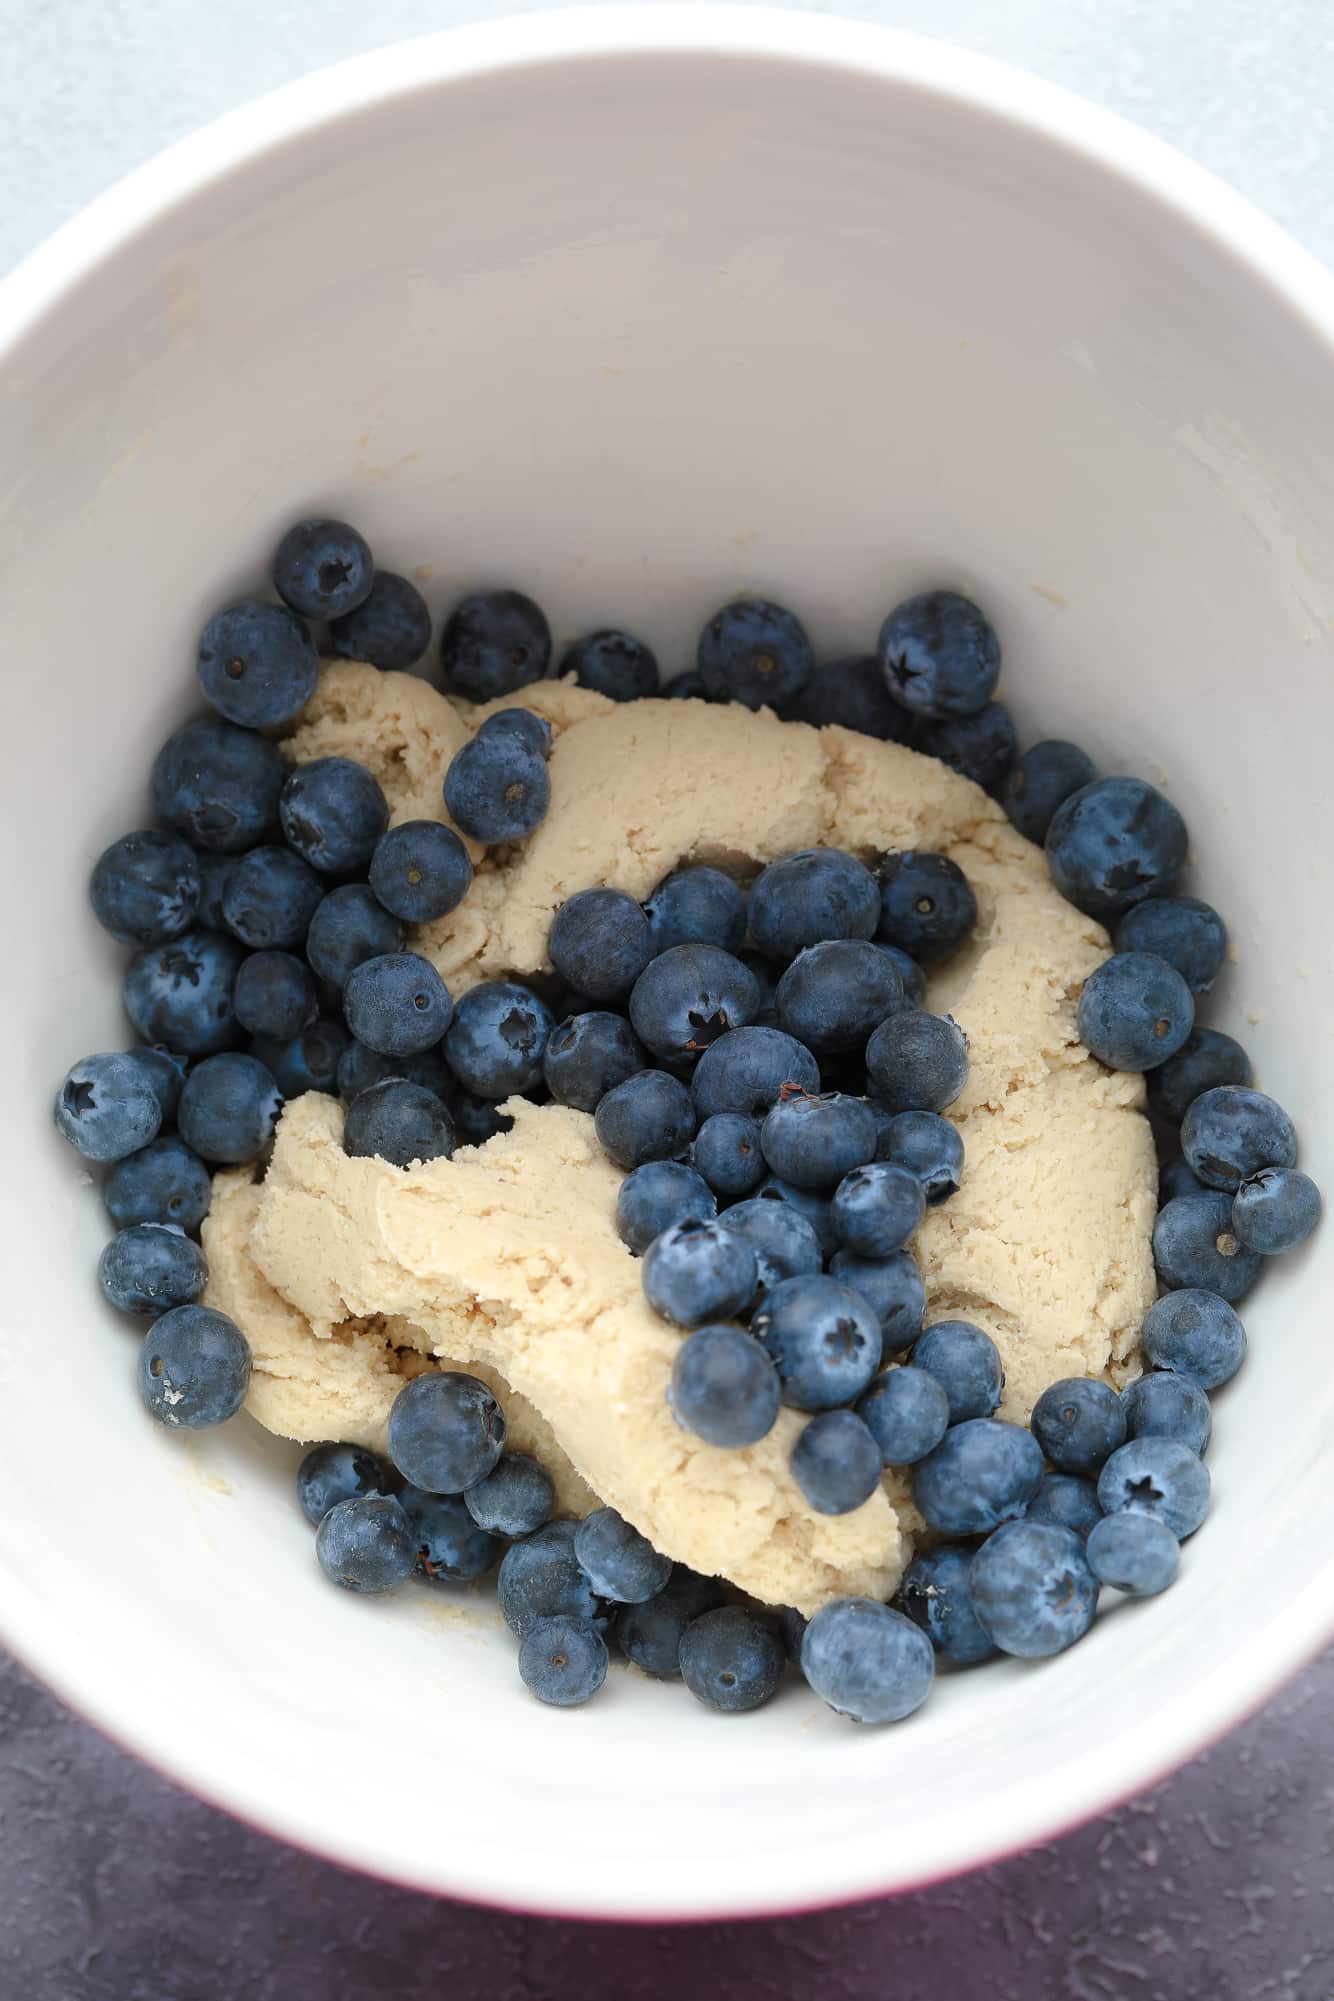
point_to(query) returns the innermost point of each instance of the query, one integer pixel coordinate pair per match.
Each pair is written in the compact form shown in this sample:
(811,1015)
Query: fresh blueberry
(107,1106)
(181,993)
(563,1661)
(917,1062)
(515,1498)
(619,1562)
(397,1004)
(1230,1133)
(332,813)
(696,1271)
(615,664)
(867,1661)
(792,1631)
(270,898)
(145,888)
(877,1208)
(587,1055)
(935,1595)
(687,687)
(214,869)
(939,655)
(497,789)
(398,1122)
(850,694)
(727,1154)
(150,1268)
(390,628)
(809,896)
(498,1039)
(911,974)
(731,1660)
(658,1195)
(1205,1059)
(308,1061)
(194,1367)
(892,1287)
(1135,1011)
(1067,1499)
(365,1544)
(650,1634)
(981,747)
(907,1413)
(749,1069)
(275,995)
(1194,1334)
(420,871)
(1113,843)
(1134,1552)
(1175,1176)
(450,1547)
(532,730)
(784,1243)
(360,1067)
(1275,1209)
(1168,1405)
(543,1579)
(350,926)
(833,994)
(927,906)
(808,1202)
(696,906)
(688,998)
(836,1462)
(446,1431)
(967,1365)
(1195,1246)
(1032,1588)
(162,1183)
(229,1108)
(166,1071)
(1190,935)
(929,1147)
(1079,1422)
(648,1117)
(1159,1476)
(724,1387)
(755,653)
(599,942)
(983,1472)
(766,979)
(332,1473)
(323,568)
(493,643)
(218,785)
(257,664)
(1043,779)
(814,1139)
(822,1337)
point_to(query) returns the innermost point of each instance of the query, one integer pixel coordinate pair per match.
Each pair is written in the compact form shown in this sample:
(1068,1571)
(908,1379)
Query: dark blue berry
(599,942)
(1043,779)
(619,1562)
(257,664)
(731,1660)
(654,1197)
(275,994)
(648,1117)
(894,1290)
(446,1431)
(323,568)
(1079,1422)
(350,926)
(1135,1011)
(498,1039)
(792,1631)
(939,655)
(687,687)
(755,653)
(1168,1405)
(333,812)
(911,974)
(650,1634)
(929,1147)
(724,1387)
(1230,1133)
(917,1062)
(493,643)
(967,1365)
(727,1154)
(497,789)
(150,1268)
(1175,1178)
(983,1472)
(1032,1589)
(543,1579)
(218,785)
(907,1413)
(813,1140)
(515,1498)
(166,1070)
(615,664)
(365,1544)
(695,1271)
(936,1596)
(532,730)
(563,1661)
(809,896)
(927,906)
(1067,1499)
(450,1547)
(823,1339)
(1205,1059)
(877,1208)
(688,998)
(194,1367)
(867,1661)
(107,1107)
(269,899)
(332,1473)
(1190,935)
(981,747)
(145,888)
(390,628)
(1134,1552)
(833,994)
(807,1202)
(229,1108)
(1275,1209)
(749,1070)
(1159,1476)
(360,1067)
(587,1055)
(696,906)
(850,694)
(214,870)
(398,1122)
(162,1183)
(1113,843)
(1194,1245)
(181,993)
(420,871)
(784,1243)
(309,1061)
(1195,1334)
(397,1004)
(836,1462)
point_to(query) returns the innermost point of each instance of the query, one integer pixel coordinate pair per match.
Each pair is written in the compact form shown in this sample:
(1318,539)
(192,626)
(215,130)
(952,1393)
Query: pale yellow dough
(347,1274)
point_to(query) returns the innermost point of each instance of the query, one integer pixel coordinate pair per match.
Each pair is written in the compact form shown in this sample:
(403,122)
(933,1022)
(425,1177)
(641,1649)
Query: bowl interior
(636,322)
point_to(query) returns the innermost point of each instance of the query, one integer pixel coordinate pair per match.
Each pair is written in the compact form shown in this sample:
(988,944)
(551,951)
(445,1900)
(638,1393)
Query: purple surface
(115,1886)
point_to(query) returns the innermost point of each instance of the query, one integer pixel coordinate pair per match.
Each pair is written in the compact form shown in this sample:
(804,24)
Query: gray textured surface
(117,1887)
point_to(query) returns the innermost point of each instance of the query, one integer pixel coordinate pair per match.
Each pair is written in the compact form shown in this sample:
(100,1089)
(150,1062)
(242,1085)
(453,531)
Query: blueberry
(1230,1133)
(917,1062)
(983,1472)
(687,687)
(360,1067)
(1032,1589)
(229,1108)
(269,899)
(927,906)
(400,1123)
(724,1387)
(309,1061)
(587,1055)
(911,974)
(390,628)
(515,1498)
(1190,935)
(619,1562)
(695,1271)
(1079,1422)
(1159,1476)
(907,1413)
(1134,1552)
(939,655)
(397,1004)
(784,1243)
(967,1365)
(867,1661)
(420,871)
(218,785)
(696,906)
(1113,843)
(599,942)
(1067,1499)
(496,789)
(149,1268)
(809,896)
(615,664)
(1205,1059)
(727,1155)
(1275,1209)
(107,1107)
(214,869)
(274,994)
(836,1462)
(813,1140)
(181,993)
(563,1661)
(755,653)
(498,1039)
(1175,1178)
(892,1287)
(851,695)
(807,1202)
(749,1069)
(688,998)
(929,1147)
(648,1117)
(323,568)
(792,1631)
(450,1547)
(823,1338)
(332,1473)
(543,1579)
(1195,1334)
(532,730)
(162,1183)
(194,1367)
(658,1195)
(446,1431)
(478,1119)
(877,1208)
(166,1069)
(1135,1011)
(333,813)
(935,1595)
(145,888)
(1195,1246)
(349,927)
(257,664)
(981,747)
(1043,779)
(650,1634)
(731,1660)
(766,979)
(365,1544)
(833,994)
(1168,1405)
(493,643)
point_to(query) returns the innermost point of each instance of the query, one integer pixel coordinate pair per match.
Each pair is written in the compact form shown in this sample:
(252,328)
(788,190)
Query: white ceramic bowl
(639,308)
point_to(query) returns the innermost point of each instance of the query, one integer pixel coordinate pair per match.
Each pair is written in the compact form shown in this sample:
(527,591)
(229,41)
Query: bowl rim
(1298,284)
